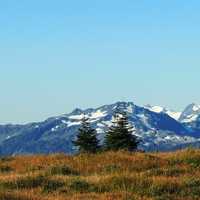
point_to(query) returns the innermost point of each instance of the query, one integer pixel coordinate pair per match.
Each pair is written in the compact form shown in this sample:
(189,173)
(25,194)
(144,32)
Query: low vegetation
(104,176)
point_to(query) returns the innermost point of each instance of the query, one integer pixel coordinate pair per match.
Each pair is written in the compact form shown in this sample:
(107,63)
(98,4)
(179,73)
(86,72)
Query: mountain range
(158,128)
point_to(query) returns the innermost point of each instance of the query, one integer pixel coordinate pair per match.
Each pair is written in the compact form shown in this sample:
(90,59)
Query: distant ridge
(159,129)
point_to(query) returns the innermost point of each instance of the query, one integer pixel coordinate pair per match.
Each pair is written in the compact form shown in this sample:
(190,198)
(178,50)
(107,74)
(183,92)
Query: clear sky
(58,55)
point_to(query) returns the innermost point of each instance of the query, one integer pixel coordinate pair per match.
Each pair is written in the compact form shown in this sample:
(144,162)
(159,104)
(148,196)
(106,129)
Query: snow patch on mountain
(174,115)
(73,123)
(196,108)
(55,128)
(64,121)
(159,109)
(97,114)
(77,117)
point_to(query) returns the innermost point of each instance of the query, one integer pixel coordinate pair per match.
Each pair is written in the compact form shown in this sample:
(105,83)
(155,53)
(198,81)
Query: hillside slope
(105,176)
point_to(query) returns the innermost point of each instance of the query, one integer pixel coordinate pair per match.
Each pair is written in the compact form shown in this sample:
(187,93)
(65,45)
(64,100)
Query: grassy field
(105,176)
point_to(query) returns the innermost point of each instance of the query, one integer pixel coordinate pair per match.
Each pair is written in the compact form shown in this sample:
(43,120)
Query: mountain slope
(190,114)
(156,130)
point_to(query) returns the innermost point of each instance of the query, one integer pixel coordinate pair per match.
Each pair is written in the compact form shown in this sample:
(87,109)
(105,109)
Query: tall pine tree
(86,140)
(119,136)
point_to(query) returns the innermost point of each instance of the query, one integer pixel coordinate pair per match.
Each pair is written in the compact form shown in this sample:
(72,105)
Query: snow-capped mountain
(154,127)
(190,114)
(190,117)
(158,109)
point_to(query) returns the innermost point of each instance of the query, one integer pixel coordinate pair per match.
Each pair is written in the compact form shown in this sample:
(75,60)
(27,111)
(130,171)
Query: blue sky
(58,55)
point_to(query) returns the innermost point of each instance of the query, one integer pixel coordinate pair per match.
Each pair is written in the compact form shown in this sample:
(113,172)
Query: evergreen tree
(86,140)
(119,136)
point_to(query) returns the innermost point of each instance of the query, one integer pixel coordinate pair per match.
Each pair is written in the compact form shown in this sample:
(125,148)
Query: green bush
(79,185)
(167,189)
(24,183)
(192,186)
(193,161)
(192,182)
(52,185)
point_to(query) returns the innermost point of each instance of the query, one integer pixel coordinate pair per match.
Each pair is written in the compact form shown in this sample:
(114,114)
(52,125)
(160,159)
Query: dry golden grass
(104,176)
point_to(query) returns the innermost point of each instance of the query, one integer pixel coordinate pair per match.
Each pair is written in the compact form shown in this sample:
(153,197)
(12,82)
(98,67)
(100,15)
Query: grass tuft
(62,170)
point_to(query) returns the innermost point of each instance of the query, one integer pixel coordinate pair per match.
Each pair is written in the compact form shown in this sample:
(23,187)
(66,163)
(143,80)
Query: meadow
(104,176)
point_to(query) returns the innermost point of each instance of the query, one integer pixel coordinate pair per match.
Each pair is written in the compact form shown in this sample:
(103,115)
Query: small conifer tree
(86,140)
(120,135)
